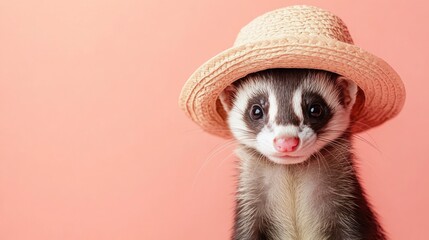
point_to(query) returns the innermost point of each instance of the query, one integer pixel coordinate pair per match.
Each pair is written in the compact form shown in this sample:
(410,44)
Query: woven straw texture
(294,37)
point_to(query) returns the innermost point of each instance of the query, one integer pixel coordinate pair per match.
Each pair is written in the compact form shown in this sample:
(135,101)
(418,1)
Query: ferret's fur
(320,196)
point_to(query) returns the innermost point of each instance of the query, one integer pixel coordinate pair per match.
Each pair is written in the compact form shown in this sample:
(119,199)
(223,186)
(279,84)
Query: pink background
(94,146)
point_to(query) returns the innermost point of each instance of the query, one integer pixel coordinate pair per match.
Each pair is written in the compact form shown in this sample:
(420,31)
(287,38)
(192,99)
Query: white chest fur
(293,197)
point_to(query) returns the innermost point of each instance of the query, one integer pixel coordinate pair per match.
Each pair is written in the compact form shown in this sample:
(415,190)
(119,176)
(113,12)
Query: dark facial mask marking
(285,82)
(256,125)
(310,99)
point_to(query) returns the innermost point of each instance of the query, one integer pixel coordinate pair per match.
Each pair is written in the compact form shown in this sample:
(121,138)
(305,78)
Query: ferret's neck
(317,199)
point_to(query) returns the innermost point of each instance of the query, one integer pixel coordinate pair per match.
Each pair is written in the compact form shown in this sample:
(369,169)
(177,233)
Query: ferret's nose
(286,144)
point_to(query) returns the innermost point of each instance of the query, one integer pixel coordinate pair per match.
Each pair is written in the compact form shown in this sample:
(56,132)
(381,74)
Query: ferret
(297,178)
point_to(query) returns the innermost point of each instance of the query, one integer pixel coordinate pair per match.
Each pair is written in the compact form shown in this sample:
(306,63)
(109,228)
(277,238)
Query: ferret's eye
(256,112)
(315,110)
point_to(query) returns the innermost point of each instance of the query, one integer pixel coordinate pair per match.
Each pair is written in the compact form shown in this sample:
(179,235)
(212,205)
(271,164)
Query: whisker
(214,152)
(357,137)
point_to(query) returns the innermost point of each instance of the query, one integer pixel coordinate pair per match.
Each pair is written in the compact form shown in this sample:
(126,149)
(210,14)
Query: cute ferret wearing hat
(292,91)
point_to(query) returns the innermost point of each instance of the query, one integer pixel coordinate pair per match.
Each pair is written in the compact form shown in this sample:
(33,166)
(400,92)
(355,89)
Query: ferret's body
(307,190)
(318,199)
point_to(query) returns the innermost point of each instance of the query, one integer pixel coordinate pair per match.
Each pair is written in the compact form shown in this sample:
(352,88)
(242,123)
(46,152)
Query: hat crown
(294,22)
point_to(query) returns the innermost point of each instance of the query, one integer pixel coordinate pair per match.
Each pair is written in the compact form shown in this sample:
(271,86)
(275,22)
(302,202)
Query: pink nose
(287,144)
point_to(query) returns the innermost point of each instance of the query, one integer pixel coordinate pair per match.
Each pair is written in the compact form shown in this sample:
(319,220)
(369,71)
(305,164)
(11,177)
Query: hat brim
(382,93)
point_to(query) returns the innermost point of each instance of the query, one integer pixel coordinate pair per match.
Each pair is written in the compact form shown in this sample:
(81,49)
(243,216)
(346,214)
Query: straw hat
(294,37)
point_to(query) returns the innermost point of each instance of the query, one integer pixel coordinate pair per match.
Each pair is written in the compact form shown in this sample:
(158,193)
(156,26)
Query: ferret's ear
(227,97)
(349,91)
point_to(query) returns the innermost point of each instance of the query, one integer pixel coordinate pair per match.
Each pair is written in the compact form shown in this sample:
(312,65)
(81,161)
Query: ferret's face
(288,115)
